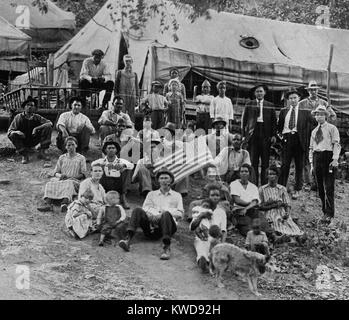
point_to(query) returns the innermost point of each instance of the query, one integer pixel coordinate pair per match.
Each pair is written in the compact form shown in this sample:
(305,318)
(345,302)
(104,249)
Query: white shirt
(109,168)
(222,107)
(219,218)
(287,121)
(260,104)
(89,70)
(204,101)
(74,123)
(249,194)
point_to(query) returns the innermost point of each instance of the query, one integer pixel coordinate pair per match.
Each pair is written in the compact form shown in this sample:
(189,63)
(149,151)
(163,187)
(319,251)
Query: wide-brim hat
(312,85)
(164,170)
(170,126)
(111,142)
(320,109)
(264,86)
(155,140)
(29,99)
(292,91)
(217,120)
(156,84)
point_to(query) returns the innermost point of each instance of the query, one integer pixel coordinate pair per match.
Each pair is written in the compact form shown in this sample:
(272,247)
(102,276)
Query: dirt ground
(62,268)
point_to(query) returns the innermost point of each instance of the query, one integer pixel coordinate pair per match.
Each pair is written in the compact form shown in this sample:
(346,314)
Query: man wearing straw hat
(311,103)
(323,158)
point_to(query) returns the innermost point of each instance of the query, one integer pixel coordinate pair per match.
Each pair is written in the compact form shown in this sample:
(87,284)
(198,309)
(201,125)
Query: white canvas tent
(14,48)
(288,54)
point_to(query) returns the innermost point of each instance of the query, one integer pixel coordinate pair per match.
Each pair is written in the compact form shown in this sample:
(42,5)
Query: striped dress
(274,216)
(72,168)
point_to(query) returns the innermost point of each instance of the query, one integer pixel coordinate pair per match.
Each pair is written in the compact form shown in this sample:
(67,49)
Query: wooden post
(329,76)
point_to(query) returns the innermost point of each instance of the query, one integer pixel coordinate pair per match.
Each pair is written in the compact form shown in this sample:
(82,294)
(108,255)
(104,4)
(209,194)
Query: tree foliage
(139,11)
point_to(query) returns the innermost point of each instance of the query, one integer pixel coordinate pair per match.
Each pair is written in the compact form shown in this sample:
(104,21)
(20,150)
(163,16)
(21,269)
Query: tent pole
(329,75)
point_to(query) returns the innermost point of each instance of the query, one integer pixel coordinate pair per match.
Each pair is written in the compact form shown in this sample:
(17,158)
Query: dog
(250,265)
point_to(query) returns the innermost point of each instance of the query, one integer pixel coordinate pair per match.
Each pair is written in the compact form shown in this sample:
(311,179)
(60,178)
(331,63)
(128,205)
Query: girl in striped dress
(70,170)
(175,110)
(275,202)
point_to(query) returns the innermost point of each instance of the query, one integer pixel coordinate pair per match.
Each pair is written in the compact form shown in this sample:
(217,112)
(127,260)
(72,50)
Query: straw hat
(320,109)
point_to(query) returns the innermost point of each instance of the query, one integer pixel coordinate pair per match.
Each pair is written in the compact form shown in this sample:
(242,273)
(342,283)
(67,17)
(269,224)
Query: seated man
(29,129)
(114,170)
(109,118)
(159,214)
(231,158)
(76,124)
(95,76)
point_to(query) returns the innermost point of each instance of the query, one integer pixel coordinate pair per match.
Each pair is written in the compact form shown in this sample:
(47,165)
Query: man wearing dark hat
(158,215)
(174,74)
(109,118)
(323,158)
(76,124)
(114,170)
(95,76)
(221,106)
(311,103)
(258,126)
(203,102)
(218,140)
(295,126)
(157,104)
(29,129)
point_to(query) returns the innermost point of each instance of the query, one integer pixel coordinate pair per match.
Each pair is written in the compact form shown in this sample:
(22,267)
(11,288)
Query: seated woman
(275,202)
(246,199)
(94,185)
(70,170)
(212,177)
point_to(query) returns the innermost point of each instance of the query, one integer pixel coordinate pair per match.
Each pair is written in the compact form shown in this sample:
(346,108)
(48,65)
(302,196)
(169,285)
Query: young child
(79,217)
(344,167)
(256,240)
(189,132)
(155,104)
(111,217)
(175,112)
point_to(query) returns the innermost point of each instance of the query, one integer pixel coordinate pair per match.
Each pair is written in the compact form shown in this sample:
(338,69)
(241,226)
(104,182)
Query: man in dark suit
(259,130)
(295,126)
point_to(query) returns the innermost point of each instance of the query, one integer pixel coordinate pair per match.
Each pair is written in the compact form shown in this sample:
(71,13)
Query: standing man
(258,126)
(159,214)
(295,126)
(109,118)
(222,106)
(311,103)
(95,76)
(203,102)
(323,158)
(218,140)
(74,123)
(29,129)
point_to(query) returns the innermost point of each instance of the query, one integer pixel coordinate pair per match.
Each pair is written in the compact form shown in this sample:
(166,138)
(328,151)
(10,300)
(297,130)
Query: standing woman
(97,189)
(175,111)
(70,170)
(126,86)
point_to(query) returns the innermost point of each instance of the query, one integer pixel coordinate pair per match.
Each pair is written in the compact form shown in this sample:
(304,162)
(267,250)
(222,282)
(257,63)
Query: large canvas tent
(14,48)
(49,30)
(286,54)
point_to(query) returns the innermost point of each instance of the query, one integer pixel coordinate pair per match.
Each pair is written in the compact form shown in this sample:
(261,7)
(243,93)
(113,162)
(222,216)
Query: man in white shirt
(95,76)
(74,123)
(222,106)
(159,214)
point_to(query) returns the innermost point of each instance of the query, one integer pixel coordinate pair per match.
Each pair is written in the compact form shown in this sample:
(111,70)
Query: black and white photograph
(171,155)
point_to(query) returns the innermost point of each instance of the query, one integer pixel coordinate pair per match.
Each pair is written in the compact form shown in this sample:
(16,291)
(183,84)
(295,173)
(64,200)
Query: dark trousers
(292,149)
(166,229)
(158,119)
(83,138)
(96,86)
(203,121)
(325,180)
(42,136)
(259,147)
(115,184)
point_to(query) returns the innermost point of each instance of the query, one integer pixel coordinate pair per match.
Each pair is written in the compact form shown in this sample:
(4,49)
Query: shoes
(45,208)
(124,244)
(295,195)
(64,208)
(25,159)
(203,264)
(100,243)
(166,253)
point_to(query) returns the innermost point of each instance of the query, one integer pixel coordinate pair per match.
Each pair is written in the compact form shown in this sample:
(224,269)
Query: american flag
(191,158)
